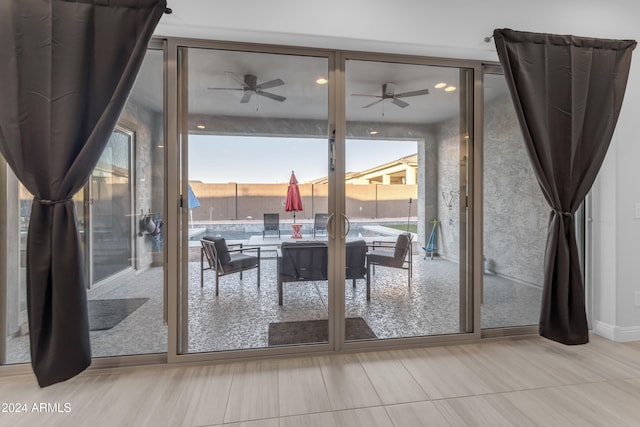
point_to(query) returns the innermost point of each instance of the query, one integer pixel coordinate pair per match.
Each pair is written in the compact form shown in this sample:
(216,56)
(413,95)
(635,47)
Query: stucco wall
(515,212)
(448,172)
(148,186)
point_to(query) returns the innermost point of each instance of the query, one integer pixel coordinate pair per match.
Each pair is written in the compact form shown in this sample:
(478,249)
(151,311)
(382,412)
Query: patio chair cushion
(402,245)
(239,262)
(221,248)
(383,258)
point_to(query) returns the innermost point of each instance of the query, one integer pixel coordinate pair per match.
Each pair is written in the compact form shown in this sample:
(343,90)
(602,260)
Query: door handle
(347,228)
(330,230)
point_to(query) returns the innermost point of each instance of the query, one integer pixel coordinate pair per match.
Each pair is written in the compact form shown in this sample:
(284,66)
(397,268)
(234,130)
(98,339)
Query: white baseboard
(617,333)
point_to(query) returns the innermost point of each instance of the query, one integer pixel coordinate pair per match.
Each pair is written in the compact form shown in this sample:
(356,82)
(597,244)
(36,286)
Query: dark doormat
(313,331)
(107,313)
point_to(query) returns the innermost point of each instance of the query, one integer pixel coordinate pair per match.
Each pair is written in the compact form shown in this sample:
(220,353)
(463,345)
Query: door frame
(472,242)
(177,211)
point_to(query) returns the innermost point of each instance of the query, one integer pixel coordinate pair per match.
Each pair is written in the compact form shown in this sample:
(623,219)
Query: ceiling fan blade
(271,96)
(246,97)
(399,103)
(368,96)
(373,103)
(270,84)
(224,88)
(412,93)
(236,78)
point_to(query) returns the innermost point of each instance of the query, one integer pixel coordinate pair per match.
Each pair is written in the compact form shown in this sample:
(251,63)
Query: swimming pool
(244,231)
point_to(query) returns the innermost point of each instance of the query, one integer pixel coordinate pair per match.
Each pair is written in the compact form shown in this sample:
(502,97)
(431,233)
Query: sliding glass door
(515,217)
(111,215)
(255,142)
(308,221)
(406,187)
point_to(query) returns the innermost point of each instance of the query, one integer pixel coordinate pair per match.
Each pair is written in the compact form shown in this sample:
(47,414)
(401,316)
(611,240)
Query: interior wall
(628,197)
(616,226)
(604,237)
(452,29)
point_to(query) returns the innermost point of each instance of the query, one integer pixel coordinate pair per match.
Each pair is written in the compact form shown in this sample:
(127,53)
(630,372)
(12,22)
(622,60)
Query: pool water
(238,233)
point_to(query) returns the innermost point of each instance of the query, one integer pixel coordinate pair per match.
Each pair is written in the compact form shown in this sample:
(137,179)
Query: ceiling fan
(250,86)
(388,92)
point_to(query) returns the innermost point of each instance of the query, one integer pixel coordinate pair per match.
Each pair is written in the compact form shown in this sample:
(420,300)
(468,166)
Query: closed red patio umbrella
(294,203)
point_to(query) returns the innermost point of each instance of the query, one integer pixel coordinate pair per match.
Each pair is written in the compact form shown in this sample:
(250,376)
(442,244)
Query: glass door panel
(111,208)
(515,217)
(405,189)
(253,120)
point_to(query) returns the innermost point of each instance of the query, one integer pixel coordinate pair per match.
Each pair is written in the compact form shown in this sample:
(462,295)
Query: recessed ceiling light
(200,127)
(322,81)
(450,88)
(440,85)
(373,132)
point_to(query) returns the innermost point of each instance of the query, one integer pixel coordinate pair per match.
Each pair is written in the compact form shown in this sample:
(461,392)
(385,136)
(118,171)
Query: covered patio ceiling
(306,99)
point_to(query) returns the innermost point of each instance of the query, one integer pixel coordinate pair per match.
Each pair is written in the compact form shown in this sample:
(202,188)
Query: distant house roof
(395,171)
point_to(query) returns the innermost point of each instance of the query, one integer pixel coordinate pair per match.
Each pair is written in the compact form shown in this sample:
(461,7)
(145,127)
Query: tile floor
(240,316)
(509,382)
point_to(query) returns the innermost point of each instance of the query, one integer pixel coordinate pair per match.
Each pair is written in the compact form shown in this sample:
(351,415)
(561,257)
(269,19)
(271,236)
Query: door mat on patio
(107,313)
(308,331)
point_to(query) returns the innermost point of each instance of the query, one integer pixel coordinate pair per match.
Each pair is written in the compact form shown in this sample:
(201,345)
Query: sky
(221,159)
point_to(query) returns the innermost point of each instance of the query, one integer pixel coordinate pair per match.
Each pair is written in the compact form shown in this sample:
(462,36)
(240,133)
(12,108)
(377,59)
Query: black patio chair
(226,259)
(396,255)
(271,224)
(301,262)
(320,223)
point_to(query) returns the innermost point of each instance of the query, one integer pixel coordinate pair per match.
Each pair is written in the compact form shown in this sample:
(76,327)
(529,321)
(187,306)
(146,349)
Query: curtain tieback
(559,212)
(51,202)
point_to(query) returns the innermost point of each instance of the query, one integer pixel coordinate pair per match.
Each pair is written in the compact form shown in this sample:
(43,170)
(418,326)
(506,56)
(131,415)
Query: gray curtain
(66,69)
(567,93)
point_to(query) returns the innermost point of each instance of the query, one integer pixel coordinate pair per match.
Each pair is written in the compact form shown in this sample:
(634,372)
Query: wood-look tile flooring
(525,381)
